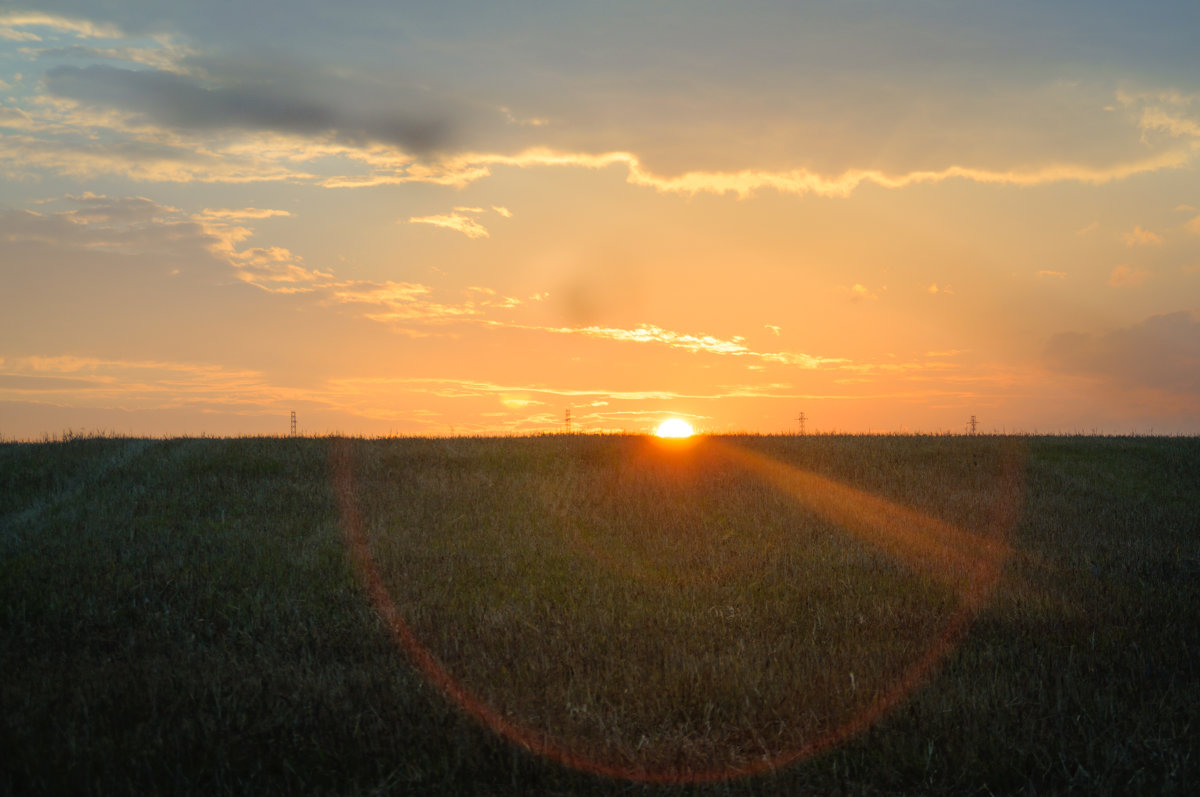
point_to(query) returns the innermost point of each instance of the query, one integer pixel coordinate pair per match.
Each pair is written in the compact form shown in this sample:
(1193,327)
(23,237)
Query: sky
(469,218)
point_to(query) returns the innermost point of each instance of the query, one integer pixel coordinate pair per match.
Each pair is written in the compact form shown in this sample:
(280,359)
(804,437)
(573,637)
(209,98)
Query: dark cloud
(180,101)
(1161,352)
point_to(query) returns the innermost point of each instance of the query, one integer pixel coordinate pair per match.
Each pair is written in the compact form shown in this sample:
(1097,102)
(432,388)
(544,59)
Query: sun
(674,427)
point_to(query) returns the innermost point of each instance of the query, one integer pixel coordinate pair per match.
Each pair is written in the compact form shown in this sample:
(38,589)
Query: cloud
(1051,274)
(100,223)
(1162,352)
(162,56)
(241,214)
(1170,113)
(196,117)
(859,292)
(454,221)
(134,384)
(1141,237)
(97,222)
(181,101)
(460,170)
(526,122)
(1125,276)
(83,150)
(275,269)
(707,344)
(10,22)
(1095,225)
(406,303)
(934,289)
(462,220)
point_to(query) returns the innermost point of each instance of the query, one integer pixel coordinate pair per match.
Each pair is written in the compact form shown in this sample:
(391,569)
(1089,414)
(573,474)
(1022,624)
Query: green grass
(191,616)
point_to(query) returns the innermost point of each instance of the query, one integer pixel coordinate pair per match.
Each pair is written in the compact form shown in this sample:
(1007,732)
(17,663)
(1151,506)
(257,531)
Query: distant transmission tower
(567,421)
(973,424)
(801,418)
(293,423)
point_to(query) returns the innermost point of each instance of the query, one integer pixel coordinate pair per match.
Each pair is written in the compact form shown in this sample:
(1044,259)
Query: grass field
(600,615)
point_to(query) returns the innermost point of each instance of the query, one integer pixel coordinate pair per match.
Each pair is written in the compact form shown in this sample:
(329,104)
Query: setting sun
(674,427)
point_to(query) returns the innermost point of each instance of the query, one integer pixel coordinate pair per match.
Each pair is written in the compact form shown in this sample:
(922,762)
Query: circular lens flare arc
(931,546)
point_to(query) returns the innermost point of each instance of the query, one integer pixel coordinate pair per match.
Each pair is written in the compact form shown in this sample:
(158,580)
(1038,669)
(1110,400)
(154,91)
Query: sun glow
(674,427)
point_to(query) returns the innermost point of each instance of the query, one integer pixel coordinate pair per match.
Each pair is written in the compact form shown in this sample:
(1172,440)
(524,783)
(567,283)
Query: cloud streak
(454,221)
(13,21)
(464,169)
(133,384)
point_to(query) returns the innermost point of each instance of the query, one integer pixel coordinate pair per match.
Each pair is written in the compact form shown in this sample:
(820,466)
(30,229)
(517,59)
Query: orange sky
(431,222)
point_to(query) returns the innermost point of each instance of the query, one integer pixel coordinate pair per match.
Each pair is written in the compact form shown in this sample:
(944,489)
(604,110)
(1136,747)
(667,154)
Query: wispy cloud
(454,221)
(858,292)
(275,269)
(1125,276)
(242,214)
(1171,113)
(135,384)
(463,219)
(404,302)
(14,21)
(708,344)
(463,169)
(1141,237)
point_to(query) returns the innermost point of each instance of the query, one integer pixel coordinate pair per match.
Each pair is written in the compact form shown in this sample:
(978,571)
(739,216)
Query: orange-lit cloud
(707,344)
(94,381)
(453,221)
(464,169)
(1125,276)
(408,302)
(463,220)
(1141,237)
(858,292)
(242,214)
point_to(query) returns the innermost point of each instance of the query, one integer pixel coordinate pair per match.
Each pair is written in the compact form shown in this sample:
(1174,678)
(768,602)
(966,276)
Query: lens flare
(968,561)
